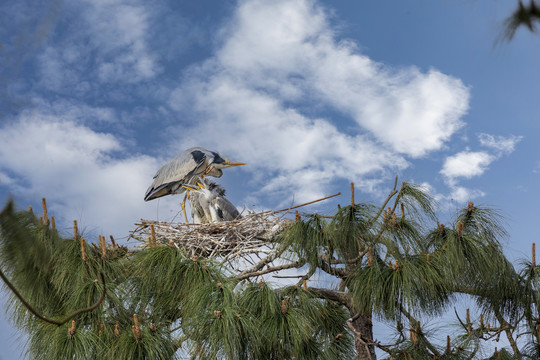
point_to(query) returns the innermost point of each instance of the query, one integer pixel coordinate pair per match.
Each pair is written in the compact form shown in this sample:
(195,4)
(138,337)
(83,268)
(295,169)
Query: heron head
(226,163)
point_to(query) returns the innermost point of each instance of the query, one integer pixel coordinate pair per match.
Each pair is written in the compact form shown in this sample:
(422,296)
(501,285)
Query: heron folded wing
(174,187)
(183,166)
(225,210)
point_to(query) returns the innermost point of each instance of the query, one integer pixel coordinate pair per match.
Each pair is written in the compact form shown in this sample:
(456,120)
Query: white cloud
(290,49)
(119,32)
(463,195)
(466,164)
(458,196)
(415,113)
(55,73)
(276,57)
(73,110)
(502,144)
(105,40)
(76,169)
(290,150)
(6,180)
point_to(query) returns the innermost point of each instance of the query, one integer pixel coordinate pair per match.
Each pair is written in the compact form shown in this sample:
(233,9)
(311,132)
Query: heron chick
(209,204)
(186,168)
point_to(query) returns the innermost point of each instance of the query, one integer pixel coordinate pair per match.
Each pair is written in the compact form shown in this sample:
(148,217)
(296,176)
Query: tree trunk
(363,330)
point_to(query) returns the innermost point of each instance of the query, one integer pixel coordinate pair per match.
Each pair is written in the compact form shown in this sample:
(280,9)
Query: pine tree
(394,264)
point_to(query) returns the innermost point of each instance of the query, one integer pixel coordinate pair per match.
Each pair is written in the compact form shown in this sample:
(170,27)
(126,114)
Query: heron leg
(184,208)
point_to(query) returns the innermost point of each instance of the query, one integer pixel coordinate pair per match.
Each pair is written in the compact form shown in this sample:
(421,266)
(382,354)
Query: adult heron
(209,204)
(186,168)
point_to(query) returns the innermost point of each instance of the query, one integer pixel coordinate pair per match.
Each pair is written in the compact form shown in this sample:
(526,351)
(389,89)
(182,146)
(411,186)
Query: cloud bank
(468,164)
(81,172)
(278,66)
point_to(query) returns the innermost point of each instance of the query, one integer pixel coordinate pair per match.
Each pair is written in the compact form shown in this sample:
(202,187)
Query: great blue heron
(186,168)
(209,204)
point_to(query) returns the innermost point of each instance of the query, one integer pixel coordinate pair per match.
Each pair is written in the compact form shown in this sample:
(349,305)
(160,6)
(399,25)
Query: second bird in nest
(209,204)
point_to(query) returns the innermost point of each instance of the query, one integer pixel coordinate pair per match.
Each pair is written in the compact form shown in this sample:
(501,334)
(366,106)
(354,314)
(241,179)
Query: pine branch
(358,258)
(306,277)
(244,275)
(381,209)
(388,198)
(460,321)
(495,331)
(508,331)
(331,260)
(43,318)
(262,263)
(334,295)
(367,342)
(359,336)
(338,272)
(429,345)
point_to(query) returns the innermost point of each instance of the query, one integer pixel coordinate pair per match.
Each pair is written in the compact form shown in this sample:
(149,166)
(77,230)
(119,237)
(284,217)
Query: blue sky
(96,95)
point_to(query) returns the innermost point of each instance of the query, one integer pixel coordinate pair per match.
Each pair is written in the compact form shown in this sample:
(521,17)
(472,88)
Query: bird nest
(252,234)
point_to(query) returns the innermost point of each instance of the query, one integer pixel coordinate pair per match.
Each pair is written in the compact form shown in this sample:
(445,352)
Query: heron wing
(182,169)
(225,210)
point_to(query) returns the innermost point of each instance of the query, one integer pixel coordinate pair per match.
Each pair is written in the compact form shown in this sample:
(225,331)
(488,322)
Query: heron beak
(202,186)
(229,164)
(189,188)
